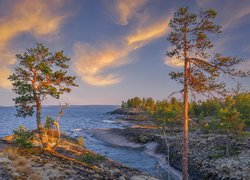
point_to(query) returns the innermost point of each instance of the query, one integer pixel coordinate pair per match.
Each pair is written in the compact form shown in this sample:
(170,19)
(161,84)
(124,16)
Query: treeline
(232,112)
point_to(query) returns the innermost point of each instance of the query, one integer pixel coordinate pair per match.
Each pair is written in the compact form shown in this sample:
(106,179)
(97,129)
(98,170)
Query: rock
(115,171)
(122,178)
(142,177)
(15,175)
(4,174)
(96,176)
(68,172)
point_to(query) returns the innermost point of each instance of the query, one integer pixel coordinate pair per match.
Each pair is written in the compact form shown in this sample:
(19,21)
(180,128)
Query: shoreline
(115,137)
(207,151)
(64,163)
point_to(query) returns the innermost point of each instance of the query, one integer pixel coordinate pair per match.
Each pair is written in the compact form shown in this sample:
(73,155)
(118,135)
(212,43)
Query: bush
(23,137)
(92,159)
(49,122)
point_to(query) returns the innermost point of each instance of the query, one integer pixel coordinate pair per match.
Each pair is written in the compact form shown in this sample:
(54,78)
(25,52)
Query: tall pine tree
(190,43)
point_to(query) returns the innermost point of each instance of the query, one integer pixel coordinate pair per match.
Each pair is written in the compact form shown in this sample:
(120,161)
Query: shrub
(49,122)
(23,137)
(92,159)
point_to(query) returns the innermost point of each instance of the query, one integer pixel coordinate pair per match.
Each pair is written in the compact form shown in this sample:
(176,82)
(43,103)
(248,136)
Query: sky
(117,47)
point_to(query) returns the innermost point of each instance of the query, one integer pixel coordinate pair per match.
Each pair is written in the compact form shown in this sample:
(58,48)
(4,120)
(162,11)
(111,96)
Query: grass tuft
(92,159)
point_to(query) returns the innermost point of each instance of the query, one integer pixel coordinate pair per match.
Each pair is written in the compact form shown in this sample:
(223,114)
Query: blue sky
(117,47)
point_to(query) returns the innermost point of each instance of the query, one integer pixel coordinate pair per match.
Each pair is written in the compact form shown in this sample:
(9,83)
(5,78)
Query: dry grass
(21,161)
(11,154)
(34,177)
(21,164)
(26,170)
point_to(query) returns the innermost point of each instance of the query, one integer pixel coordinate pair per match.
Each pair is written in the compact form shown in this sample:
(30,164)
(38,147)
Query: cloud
(93,62)
(238,17)
(231,14)
(173,62)
(37,17)
(147,33)
(4,74)
(126,9)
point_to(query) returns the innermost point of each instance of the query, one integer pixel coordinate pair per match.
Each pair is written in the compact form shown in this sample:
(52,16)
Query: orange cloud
(149,32)
(126,9)
(37,17)
(91,63)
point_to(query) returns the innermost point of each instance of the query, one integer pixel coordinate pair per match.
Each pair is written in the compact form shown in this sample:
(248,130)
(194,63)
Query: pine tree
(190,43)
(39,74)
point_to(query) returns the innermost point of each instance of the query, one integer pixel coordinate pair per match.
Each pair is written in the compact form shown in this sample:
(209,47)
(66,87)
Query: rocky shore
(207,159)
(66,162)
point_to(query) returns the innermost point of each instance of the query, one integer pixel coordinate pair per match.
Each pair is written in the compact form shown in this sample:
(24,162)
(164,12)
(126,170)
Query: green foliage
(168,112)
(233,111)
(39,73)
(92,159)
(23,137)
(146,104)
(213,125)
(135,102)
(216,156)
(242,104)
(49,122)
(210,108)
(190,40)
(230,118)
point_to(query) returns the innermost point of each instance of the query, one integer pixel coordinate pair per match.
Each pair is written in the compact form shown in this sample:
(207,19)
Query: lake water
(77,118)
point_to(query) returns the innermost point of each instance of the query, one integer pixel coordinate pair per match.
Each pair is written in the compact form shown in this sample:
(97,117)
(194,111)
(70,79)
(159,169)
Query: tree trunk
(41,131)
(185,128)
(185,115)
(56,124)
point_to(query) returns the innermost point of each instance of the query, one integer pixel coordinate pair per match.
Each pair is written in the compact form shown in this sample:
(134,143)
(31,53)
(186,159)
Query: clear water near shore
(77,118)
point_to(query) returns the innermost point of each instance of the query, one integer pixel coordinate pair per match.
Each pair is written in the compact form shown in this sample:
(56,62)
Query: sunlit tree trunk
(185,102)
(41,131)
(56,124)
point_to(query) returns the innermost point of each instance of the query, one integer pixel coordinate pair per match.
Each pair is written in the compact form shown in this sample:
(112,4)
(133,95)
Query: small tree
(190,43)
(167,114)
(231,122)
(124,105)
(39,74)
(242,104)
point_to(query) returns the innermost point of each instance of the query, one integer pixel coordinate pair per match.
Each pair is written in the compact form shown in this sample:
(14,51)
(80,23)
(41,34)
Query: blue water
(74,117)
(77,118)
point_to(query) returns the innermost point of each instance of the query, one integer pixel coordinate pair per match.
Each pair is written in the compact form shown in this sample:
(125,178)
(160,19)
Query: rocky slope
(207,158)
(65,163)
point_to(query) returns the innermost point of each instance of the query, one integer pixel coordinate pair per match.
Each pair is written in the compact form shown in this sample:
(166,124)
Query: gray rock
(122,178)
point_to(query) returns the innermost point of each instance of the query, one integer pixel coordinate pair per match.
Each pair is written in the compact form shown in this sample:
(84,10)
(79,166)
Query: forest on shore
(230,114)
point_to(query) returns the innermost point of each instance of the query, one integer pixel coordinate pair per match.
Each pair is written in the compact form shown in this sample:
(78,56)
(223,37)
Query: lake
(77,118)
